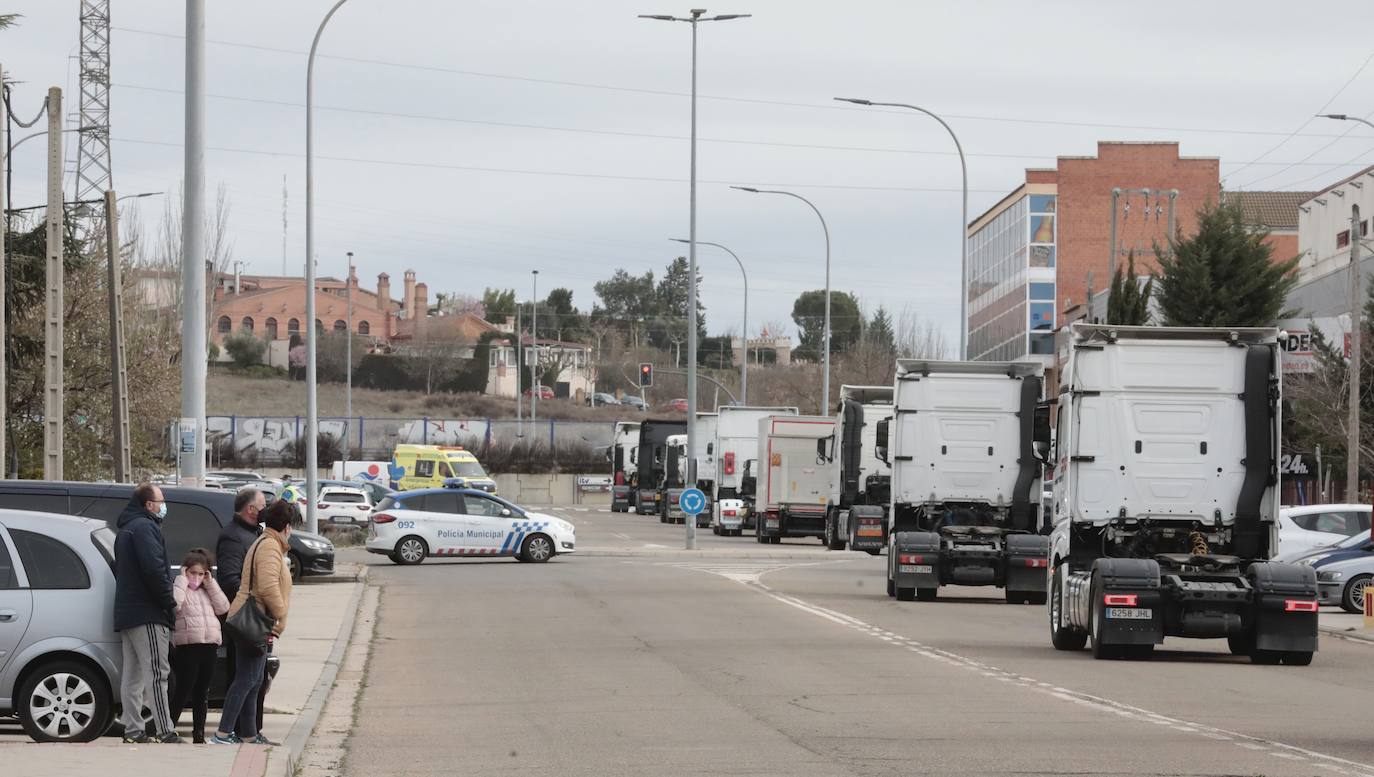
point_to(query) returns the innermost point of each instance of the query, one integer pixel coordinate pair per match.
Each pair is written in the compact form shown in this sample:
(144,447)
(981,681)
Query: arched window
(224,325)
(293,327)
(246,325)
(319,327)
(340,326)
(364,328)
(271,327)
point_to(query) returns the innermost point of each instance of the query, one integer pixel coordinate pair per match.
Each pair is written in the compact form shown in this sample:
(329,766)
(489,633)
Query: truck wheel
(1036,597)
(927,594)
(832,538)
(1062,635)
(906,594)
(775,540)
(1353,598)
(891,588)
(874,551)
(1266,657)
(761,538)
(1297,657)
(1098,620)
(1240,644)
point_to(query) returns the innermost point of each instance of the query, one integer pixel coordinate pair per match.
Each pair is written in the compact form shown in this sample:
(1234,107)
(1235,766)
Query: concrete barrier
(561,489)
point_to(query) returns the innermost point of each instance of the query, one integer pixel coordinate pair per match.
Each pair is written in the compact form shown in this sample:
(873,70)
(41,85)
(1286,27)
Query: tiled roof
(1274,210)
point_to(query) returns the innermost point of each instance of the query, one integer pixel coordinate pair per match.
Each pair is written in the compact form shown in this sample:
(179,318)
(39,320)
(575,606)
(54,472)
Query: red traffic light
(646,375)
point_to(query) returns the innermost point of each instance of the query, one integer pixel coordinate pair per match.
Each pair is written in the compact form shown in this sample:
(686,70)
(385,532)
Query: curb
(294,744)
(723,554)
(1358,635)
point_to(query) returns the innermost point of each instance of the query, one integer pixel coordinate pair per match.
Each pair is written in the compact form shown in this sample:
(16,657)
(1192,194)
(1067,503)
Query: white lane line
(621,536)
(1121,709)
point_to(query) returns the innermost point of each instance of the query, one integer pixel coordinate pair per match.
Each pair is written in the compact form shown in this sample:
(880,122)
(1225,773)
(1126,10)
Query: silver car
(59,652)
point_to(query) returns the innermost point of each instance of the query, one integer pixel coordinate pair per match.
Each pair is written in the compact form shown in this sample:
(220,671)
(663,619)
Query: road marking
(621,536)
(1097,703)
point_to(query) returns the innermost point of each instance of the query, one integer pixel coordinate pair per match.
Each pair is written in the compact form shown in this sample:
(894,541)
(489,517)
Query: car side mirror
(880,446)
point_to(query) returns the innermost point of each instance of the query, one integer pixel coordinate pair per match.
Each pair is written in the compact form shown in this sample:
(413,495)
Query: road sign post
(692,502)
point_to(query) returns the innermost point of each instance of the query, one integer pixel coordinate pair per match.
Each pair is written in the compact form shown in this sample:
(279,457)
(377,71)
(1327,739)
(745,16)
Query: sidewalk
(322,615)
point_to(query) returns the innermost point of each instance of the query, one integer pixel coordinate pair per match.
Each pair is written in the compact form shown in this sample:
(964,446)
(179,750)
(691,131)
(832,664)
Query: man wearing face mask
(144,614)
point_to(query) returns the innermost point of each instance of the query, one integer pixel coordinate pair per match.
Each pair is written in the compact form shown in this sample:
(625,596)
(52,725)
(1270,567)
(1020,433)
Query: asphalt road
(638,659)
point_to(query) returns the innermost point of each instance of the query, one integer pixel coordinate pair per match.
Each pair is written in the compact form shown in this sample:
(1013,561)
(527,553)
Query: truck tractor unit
(650,462)
(796,477)
(671,486)
(624,441)
(858,512)
(1166,496)
(705,457)
(736,449)
(967,443)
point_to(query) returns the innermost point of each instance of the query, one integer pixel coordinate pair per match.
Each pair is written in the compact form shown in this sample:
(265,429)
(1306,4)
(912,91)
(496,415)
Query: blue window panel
(1042,343)
(1042,316)
(1042,291)
(1042,203)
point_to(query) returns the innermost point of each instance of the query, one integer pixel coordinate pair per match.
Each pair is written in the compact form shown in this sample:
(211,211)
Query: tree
(629,301)
(879,334)
(245,349)
(1223,275)
(918,338)
(716,353)
(564,319)
(846,323)
(1128,304)
(498,304)
(164,255)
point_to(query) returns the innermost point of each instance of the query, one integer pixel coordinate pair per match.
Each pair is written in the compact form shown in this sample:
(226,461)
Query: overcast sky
(482,140)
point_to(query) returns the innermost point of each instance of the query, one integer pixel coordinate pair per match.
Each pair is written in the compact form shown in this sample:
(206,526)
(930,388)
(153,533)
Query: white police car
(409,526)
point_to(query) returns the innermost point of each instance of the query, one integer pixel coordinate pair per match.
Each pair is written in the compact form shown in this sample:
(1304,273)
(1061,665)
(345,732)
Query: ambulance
(433,466)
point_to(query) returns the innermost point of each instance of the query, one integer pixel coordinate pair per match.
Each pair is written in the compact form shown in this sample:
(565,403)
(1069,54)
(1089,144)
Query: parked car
(233,474)
(343,505)
(635,402)
(544,392)
(1314,526)
(1344,574)
(675,405)
(410,526)
(601,398)
(1310,556)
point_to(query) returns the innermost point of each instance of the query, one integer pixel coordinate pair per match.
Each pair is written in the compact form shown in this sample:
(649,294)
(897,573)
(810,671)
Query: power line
(752,100)
(1329,144)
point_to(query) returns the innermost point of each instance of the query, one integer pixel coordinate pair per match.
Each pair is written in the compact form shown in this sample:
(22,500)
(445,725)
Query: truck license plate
(1131,613)
(914,569)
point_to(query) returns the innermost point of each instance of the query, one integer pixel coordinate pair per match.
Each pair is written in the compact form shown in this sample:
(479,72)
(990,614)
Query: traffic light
(646,375)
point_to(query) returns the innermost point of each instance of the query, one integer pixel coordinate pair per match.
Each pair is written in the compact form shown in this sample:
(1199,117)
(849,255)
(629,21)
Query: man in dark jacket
(230,550)
(144,614)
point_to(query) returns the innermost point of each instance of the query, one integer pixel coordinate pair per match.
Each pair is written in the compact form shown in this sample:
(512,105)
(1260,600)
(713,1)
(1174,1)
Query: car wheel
(293,563)
(411,550)
(64,701)
(1353,598)
(537,548)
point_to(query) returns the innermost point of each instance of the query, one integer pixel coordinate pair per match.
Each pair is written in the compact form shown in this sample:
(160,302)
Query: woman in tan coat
(267,582)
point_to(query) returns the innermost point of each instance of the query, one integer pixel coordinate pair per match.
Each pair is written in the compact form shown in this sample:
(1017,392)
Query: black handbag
(251,625)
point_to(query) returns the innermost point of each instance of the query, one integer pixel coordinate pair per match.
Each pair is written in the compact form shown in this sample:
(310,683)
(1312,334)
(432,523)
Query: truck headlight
(1329,577)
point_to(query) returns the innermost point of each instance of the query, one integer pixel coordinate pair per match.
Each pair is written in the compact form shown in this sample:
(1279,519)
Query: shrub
(328,450)
(245,349)
(383,372)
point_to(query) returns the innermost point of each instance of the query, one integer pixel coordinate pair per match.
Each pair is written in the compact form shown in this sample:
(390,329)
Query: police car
(409,526)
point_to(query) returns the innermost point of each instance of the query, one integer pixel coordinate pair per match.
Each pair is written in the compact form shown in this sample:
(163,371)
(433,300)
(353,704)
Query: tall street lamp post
(825,390)
(695,17)
(963,223)
(1352,443)
(535,385)
(744,362)
(312,431)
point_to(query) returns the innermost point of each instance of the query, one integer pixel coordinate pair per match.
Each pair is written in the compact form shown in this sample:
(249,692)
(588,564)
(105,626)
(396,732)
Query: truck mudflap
(646,501)
(620,499)
(1028,562)
(1284,614)
(1124,602)
(867,527)
(914,564)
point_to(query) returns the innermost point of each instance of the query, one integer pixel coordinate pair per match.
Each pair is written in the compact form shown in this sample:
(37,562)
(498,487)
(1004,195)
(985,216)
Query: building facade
(576,373)
(1325,238)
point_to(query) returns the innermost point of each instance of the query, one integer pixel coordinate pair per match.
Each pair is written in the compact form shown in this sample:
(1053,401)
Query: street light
(535,385)
(744,363)
(696,16)
(825,391)
(963,224)
(1352,444)
(312,431)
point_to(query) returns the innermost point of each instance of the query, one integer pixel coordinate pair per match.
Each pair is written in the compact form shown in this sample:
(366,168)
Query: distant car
(629,400)
(601,398)
(1310,556)
(1314,526)
(410,526)
(544,392)
(343,505)
(233,474)
(1344,574)
(675,405)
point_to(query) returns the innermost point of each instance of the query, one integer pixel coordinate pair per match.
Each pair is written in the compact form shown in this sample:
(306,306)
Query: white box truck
(620,454)
(1166,496)
(863,482)
(967,478)
(736,454)
(796,476)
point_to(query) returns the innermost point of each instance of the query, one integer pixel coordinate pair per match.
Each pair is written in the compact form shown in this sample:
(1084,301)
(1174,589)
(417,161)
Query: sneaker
(216,739)
(171,738)
(136,738)
(262,740)
(197,737)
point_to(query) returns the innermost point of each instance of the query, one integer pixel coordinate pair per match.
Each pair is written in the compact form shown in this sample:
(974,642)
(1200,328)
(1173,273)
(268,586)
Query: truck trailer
(1166,496)
(967,443)
(620,454)
(863,482)
(736,451)
(650,460)
(796,476)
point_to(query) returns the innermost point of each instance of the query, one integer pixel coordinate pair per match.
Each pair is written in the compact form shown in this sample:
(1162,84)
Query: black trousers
(193,666)
(229,677)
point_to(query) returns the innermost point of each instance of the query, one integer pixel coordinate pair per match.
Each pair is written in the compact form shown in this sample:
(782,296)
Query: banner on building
(1297,341)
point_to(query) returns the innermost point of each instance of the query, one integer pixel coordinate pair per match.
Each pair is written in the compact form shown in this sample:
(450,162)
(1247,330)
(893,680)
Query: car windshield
(468,469)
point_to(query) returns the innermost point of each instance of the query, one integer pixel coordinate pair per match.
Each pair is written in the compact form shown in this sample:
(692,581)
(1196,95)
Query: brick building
(1047,245)
(1275,212)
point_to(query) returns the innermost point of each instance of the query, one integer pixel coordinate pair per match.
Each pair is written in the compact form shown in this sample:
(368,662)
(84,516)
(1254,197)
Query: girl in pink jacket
(196,638)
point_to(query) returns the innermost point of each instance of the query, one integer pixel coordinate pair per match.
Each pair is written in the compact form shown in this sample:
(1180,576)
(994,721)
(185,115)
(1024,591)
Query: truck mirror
(821,458)
(1041,433)
(710,448)
(880,446)
(634,456)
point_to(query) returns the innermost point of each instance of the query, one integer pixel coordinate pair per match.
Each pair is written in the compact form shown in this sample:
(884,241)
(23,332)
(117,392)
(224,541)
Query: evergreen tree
(879,332)
(1129,302)
(1222,276)
(808,313)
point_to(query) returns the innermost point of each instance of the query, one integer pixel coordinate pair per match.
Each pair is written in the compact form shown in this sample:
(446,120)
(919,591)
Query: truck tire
(832,538)
(1096,620)
(1037,598)
(1062,635)
(1240,644)
(927,594)
(1352,598)
(907,594)
(1297,658)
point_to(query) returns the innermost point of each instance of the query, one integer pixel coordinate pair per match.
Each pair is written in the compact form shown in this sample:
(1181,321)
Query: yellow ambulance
(434,466)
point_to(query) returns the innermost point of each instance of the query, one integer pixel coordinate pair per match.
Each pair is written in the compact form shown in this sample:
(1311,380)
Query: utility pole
(4,313)
(519,376)
(1352,432)
(535,385)
(348,353)
(191,435)
(54,330)
(119,375)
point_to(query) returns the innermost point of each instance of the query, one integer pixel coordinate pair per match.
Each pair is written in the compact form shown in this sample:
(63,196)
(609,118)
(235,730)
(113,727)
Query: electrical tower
(93,172)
